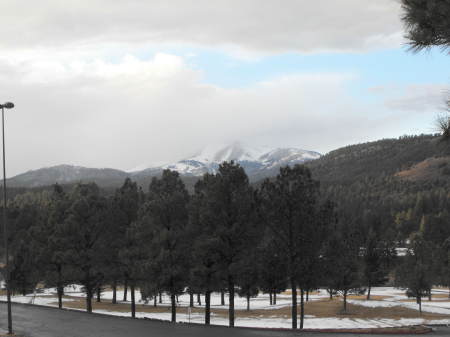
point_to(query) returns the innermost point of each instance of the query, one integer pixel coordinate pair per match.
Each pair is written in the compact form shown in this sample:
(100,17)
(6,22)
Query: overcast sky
(124,83)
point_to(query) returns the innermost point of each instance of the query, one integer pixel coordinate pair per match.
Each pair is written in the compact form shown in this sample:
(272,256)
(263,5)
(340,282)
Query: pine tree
(248,277)
(228,211)
(377,256)
(342,269)
(427,23)
(291,211)
(84,231)
(205,260)
(166,213)
(415,272)
(272,269)
(124,209)
(50,244)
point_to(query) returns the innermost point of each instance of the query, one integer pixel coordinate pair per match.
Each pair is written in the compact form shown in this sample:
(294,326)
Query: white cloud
(120,114)
(244,27)
(420,98)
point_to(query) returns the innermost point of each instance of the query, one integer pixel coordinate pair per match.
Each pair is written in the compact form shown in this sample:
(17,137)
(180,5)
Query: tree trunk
(133,302)
(207,307)
(125,290)
(199,299)
(99,294)
(154,301)
(114,299)
(176,296)
(231,301)
(331,293)
(429,296)
(222,297)
(191,299)
(89,299)
(345,301)
(368,291)
(274,298)
(302,307)
(174,308)
(419,299)
(270,297)
(307,295)
(60,287)
(60,295)
(294,303)
(248,302)
(160,298)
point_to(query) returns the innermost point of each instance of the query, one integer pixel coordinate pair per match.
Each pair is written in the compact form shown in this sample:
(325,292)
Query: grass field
(388,307)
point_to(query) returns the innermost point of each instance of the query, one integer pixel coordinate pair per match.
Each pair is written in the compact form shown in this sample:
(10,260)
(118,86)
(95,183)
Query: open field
(388,307)
(322,308)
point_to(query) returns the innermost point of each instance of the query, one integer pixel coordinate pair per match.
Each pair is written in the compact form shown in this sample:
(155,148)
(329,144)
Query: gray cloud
(267,26)
(80,101)
(421,98)
(127,113)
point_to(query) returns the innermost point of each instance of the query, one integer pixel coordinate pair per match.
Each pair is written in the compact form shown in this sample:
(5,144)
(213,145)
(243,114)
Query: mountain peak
(252,159)
(226,152)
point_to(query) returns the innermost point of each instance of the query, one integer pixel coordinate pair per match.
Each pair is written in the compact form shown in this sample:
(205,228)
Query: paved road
(34,321)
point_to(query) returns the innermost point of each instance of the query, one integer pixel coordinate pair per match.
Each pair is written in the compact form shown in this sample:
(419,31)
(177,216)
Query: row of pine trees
(228,237)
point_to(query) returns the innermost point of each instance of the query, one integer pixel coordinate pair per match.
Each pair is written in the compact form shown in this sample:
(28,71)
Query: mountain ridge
(257,162)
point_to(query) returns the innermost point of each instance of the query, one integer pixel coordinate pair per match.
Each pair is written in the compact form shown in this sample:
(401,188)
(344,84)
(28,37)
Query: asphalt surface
(35,321)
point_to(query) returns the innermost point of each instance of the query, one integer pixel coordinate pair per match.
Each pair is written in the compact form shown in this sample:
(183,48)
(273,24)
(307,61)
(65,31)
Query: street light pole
(7,105)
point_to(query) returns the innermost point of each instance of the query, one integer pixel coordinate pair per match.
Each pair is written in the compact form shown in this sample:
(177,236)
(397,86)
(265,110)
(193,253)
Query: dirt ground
(321,309)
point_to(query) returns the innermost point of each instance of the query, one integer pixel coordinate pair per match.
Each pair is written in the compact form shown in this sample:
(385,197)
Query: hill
(257,162)
(392,185)
(385,157)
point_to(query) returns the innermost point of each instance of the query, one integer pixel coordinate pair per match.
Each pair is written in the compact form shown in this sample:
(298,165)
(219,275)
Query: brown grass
(372,297)
(322,309)
(436,297)
(425,170)
(441,295)
(289,292)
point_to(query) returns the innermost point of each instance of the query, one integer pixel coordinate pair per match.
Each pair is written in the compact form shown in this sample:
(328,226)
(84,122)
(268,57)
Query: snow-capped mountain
(252,159)
(258,162)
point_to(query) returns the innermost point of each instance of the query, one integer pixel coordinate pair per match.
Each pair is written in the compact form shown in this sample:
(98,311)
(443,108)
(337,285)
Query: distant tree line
(227,237)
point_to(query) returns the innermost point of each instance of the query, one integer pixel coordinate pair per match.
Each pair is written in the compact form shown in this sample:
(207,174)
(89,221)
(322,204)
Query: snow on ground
(31,299)
(393,297)
(397,296)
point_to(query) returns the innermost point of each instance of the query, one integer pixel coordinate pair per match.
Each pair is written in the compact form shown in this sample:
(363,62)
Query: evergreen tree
(444,264)
(84,231)
(341,261)
(133,257)
(427,23)
(124,210)
(377,256)
(272,269)
(50,244)
(415,271)
(205,258)
(166,213)
(228,211)
(248,277)
(290,208)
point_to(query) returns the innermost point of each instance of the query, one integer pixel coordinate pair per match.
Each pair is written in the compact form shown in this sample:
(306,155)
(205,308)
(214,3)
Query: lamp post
(7,105)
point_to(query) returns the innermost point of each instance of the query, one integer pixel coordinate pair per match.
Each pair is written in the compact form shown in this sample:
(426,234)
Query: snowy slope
(258,162)
(255,160)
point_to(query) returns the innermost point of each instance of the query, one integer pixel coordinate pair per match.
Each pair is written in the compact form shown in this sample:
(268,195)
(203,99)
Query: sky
(124,84)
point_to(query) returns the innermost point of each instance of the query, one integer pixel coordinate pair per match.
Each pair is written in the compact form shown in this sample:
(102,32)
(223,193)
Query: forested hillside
(396,184)
(377,159)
